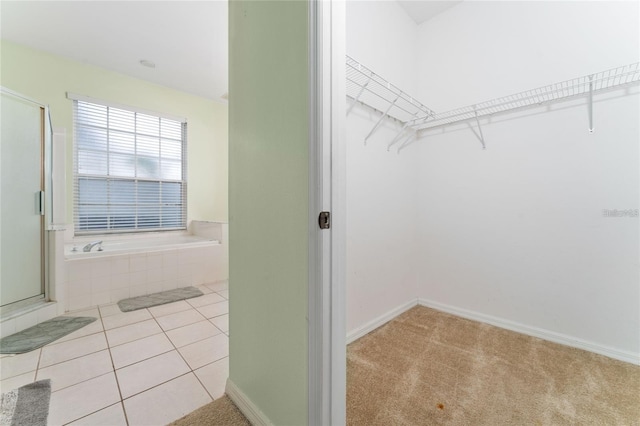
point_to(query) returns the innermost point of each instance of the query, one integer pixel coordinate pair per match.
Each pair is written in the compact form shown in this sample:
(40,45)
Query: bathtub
(134,244)
(137,265)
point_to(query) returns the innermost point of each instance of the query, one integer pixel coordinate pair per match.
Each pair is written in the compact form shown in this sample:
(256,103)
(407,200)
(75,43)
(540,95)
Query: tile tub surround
(98,280)
(150,366)
(108,279)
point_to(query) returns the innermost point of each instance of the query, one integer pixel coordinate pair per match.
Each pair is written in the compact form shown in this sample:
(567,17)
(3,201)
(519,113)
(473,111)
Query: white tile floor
(146,367)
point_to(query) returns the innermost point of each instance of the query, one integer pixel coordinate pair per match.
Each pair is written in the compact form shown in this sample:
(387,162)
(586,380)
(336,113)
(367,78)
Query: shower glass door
(21,200)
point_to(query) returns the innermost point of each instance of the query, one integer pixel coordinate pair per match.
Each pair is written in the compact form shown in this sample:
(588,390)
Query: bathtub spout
(89,246)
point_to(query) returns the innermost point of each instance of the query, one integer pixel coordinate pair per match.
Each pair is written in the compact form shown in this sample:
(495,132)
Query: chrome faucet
(89,246)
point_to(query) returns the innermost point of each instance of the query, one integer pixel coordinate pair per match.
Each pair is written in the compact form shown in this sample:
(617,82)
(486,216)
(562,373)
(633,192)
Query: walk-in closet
(492,187)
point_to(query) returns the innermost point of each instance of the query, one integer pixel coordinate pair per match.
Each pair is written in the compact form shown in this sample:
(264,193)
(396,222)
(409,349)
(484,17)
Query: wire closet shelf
(368,88)
(565,90)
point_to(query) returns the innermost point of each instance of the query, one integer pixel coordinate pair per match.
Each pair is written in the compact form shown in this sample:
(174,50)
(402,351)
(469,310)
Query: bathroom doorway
(22,199)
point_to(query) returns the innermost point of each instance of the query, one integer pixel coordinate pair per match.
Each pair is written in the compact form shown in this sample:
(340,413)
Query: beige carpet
(430,368)
(221,412)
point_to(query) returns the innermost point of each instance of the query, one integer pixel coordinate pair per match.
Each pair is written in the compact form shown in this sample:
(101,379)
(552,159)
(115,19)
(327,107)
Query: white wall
(381,185)
(480,50)
(381,224)
(517,231)
(382,37)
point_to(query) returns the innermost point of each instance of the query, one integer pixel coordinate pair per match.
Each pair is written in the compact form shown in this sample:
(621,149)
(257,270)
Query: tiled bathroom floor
(146,367)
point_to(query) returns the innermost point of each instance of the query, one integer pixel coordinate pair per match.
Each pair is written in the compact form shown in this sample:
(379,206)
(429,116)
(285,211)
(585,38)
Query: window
(129,170)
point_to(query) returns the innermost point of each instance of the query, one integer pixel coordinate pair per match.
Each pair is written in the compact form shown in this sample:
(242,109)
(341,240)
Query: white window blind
(129,170)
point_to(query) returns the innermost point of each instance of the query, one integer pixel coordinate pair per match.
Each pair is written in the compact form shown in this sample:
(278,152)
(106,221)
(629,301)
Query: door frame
(327,187)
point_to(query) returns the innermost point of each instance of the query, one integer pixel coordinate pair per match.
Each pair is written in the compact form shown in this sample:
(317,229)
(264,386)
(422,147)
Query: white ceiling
(187,40)
(421,10)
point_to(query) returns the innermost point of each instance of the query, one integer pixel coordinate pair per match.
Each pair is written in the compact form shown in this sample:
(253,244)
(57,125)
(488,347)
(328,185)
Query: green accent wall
(268,205)
(47,78)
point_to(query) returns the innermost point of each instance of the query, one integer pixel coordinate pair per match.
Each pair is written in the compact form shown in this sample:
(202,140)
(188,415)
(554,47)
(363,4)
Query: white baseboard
(379,321)
(551,336)
(255,416)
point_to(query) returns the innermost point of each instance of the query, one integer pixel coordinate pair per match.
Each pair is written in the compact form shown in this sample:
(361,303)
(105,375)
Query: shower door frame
(46,140)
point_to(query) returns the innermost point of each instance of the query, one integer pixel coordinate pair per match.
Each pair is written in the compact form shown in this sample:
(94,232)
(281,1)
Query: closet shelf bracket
(407,141)
(481,136)
(590,103)
(409,125)
(380,120)
(357,98)
(398,136)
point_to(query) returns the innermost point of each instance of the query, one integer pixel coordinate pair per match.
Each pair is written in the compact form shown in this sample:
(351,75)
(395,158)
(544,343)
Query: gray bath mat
(27,405)
(39,335)
(156,299)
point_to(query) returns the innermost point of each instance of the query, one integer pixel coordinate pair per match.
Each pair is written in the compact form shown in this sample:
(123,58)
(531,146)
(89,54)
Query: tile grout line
(131,323)
(35,376)
(191,370)
(209,319)
(199,340)
(104,408)
(155,386)
(83,381)
(109,347)
(93,412)
(72,359)
(179,353)
(100,375)
(113,367)
(202,384)
(55,343)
